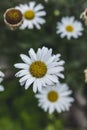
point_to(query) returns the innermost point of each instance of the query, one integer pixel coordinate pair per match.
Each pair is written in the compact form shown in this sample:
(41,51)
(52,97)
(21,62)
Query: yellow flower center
(29,14)
(38,69)
(53,96)
(13,16)
(69,28)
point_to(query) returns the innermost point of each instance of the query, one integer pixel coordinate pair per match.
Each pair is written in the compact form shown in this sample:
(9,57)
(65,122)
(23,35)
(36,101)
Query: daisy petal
(29,82)
(32,54)
(25,58)
(21,66)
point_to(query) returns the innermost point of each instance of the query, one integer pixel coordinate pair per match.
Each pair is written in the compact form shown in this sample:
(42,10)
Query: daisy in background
(69,27)
(1,79)
(46,1)
(13,18)
(32,15)
(41,68)
(55,97)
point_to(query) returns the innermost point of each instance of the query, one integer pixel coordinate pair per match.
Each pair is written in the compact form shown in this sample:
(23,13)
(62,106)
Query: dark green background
(18,107)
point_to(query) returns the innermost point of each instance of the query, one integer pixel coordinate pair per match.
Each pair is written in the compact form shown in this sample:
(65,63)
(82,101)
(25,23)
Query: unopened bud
(56,12)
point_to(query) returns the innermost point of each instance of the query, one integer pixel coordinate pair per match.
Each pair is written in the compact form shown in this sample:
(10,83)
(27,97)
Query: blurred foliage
(18,107)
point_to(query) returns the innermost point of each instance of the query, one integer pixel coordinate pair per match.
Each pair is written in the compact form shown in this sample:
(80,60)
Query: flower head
(56,97)
(83,16)
(1,79)
(32,15)
(69,27)
(41,68)
(13,18)
(85,74)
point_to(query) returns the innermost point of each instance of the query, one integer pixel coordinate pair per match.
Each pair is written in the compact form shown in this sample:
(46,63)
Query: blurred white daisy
(41,68)
(32,15)
(46,0)
(55,97)
(1,79)
(69,27)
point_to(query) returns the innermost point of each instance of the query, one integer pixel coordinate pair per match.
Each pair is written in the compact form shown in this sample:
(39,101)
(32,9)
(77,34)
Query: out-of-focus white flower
(69,27)
(55,97)
(46,0)
(32,15)
(83,16)
(85,73)
(1,79)
(41,68)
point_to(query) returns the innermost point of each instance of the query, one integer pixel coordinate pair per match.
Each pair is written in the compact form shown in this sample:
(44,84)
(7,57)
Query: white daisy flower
(1,79)
(41,68)
(69,27)
(55,97)
(32,15)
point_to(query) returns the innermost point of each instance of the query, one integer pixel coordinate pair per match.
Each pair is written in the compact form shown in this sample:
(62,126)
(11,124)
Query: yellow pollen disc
(29,14)
(13,16)
(69,28)
(38,69)
(53,96)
